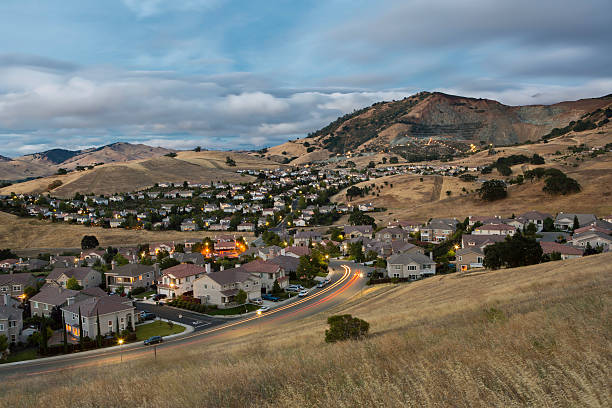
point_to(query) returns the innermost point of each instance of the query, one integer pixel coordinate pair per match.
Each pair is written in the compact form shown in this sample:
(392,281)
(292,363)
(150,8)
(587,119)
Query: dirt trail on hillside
(437,188)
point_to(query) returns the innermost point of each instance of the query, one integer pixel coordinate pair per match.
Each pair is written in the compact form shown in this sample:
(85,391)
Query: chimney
(207,267)
(113,264)
(7,299)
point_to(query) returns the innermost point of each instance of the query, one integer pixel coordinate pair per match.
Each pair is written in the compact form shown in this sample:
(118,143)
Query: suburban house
(220,288)
(179,279)
(13,284)
(598,225)
(85,276)
(131,276)
(565,221)
(115,313)
(468,258)
(11,319)
(8,263)
(288,263)
(304,238)
(195,258)
(50,296)
(269,252)
(594,238)
(480,241)
(296,251)
(355,231)
(566,251)
(392,234)
(410,265)
(408,225)
(246,226)
(536,218)
(189,225)
(90,257)
(268,272)
(438,229)
(494,229)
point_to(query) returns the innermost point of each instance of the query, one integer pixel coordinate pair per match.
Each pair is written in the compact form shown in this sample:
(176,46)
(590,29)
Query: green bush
(345,327)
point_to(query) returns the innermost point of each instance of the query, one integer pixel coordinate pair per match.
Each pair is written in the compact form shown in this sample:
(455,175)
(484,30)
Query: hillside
(138,174)
(532,336)
(429,125)
(410,198)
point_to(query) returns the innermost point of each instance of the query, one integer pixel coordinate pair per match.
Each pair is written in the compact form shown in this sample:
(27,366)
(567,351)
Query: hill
(532,336)
(138,174)
(430,125)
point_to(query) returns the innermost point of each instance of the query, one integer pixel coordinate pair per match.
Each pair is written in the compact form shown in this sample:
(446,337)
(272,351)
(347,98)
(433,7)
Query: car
(293,288)
(303,293)
(327,280)
(369,274)
(257,301)
(159,296)
(153,340)
(144,315)
(263,309)
(270,297)
(321,284)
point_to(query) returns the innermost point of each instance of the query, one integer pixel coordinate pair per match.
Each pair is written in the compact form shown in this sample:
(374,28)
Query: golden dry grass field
(29,233)
(533,336)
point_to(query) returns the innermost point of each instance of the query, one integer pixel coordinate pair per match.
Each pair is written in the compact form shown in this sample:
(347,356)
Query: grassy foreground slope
(534,336)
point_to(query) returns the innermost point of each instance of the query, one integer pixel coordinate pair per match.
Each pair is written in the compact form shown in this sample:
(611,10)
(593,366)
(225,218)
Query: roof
(230,292)
(53,295)
(364,229)
(298,250)
(19,278)
(392,230)
(583,219)
(407,258)
(10,312)
(481,240)
(399,246)
(78,273)
(307,234)
(259,266)
(132,270)
(553,236)
(184,270)
(495,227)
(232,275)
(550,247)
(95,292)
(535,215)
(467,250)
(99,305)
(288,263)
(589,234)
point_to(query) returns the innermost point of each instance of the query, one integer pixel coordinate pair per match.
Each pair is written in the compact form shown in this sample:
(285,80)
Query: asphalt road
(346,282)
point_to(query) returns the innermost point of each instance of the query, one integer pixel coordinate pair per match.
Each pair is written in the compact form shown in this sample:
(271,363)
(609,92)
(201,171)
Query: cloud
(149,8)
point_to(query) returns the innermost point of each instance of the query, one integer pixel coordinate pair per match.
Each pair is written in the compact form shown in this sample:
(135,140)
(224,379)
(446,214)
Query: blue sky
(246,74)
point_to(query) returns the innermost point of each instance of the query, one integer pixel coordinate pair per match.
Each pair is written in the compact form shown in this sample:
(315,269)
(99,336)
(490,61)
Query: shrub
(345,327)
(138,291)
(492,190)
(54,184)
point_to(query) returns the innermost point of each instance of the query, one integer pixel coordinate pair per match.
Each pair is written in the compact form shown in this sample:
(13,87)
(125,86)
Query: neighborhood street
(346,281)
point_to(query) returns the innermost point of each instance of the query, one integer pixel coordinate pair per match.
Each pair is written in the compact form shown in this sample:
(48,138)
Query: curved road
(347,280)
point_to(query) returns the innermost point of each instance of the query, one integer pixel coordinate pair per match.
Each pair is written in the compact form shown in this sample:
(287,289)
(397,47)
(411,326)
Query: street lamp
(121,349)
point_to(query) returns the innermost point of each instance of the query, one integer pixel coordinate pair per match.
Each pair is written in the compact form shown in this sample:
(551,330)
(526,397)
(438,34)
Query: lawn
(232,310)
(23,355)
(144,294)
(157,328)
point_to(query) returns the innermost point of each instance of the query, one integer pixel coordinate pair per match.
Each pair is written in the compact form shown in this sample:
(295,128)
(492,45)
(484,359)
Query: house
(8,263)
(11,319)
(438,229)
(355,231)
(296,251)
(189,225)
(408,225)
(566,251)
(593,238)
(495,229)
(288,263)
(220,288)
(115,313)
(179,279)
(304,238)
(13,284)
(195,258)
(598,225)
(246,226)
(480,241)
(536,218)
(90,257)
(128,277)
(85,276)
(268,272)
(410,265)
(268,252)
(468,258)
(50,296)
(392,234)
(565,221)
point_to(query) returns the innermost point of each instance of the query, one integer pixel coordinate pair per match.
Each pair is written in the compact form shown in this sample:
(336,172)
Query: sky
(225,74)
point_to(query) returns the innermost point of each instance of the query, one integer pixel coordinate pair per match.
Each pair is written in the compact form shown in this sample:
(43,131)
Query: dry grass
(24,233)
(433,343)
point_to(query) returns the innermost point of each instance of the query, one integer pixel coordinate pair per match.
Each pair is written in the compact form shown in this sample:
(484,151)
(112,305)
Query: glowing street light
(120,341)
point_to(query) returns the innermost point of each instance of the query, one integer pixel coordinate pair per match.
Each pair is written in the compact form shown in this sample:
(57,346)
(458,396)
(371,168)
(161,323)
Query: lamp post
(258,316)
(121,349)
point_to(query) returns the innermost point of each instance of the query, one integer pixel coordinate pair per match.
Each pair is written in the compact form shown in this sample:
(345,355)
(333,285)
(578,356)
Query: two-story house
(14,284)
(468,258)
(268,272)
(131,276)
(412,265)
(220,288)
(116,313)
(86,277)
(179,279)
(50,296)
(11,319)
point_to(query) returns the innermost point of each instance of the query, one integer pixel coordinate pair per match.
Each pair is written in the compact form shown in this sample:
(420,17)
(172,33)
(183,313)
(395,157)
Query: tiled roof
(184,270)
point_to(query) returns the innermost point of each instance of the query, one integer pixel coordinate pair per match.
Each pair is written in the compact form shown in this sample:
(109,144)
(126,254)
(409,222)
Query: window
(83,319)
(397,266)
(479,259)
(12,323)
(412,267)
(16,288)
(396,275)
(46,306)
(35,305)
(4,289)
(13,338)
(122,320)
(1,326)
(74,316)
(110,323)
(460,258)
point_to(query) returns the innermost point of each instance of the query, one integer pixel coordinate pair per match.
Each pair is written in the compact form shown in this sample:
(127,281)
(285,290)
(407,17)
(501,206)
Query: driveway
(196,320)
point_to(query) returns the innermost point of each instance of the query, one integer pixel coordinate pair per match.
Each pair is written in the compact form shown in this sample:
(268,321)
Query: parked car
(257,301)
(321,284)
(144,315)
(293,288)
(263,309)
(159,296)
(327,280)
(303,293)
(153,340)
(270,297)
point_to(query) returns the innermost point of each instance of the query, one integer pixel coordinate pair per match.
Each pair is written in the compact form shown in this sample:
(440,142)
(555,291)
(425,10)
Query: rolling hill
(433,124)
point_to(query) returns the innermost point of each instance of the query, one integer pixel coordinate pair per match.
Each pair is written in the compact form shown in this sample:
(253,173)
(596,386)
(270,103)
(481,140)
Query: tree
(230,162)
(3,346)
(240,297)
(353,191)
(276,287)
(515,251)
(576,223)
(197,149)
(72,284)
(345,327)
(356,251)
(29,292)
(549,225)
(371,165)
(393,160)
(360,218)
(99,332)
(7,254)
(494,258)
(89,242)
(168,262)
(44,336)
(492,190)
